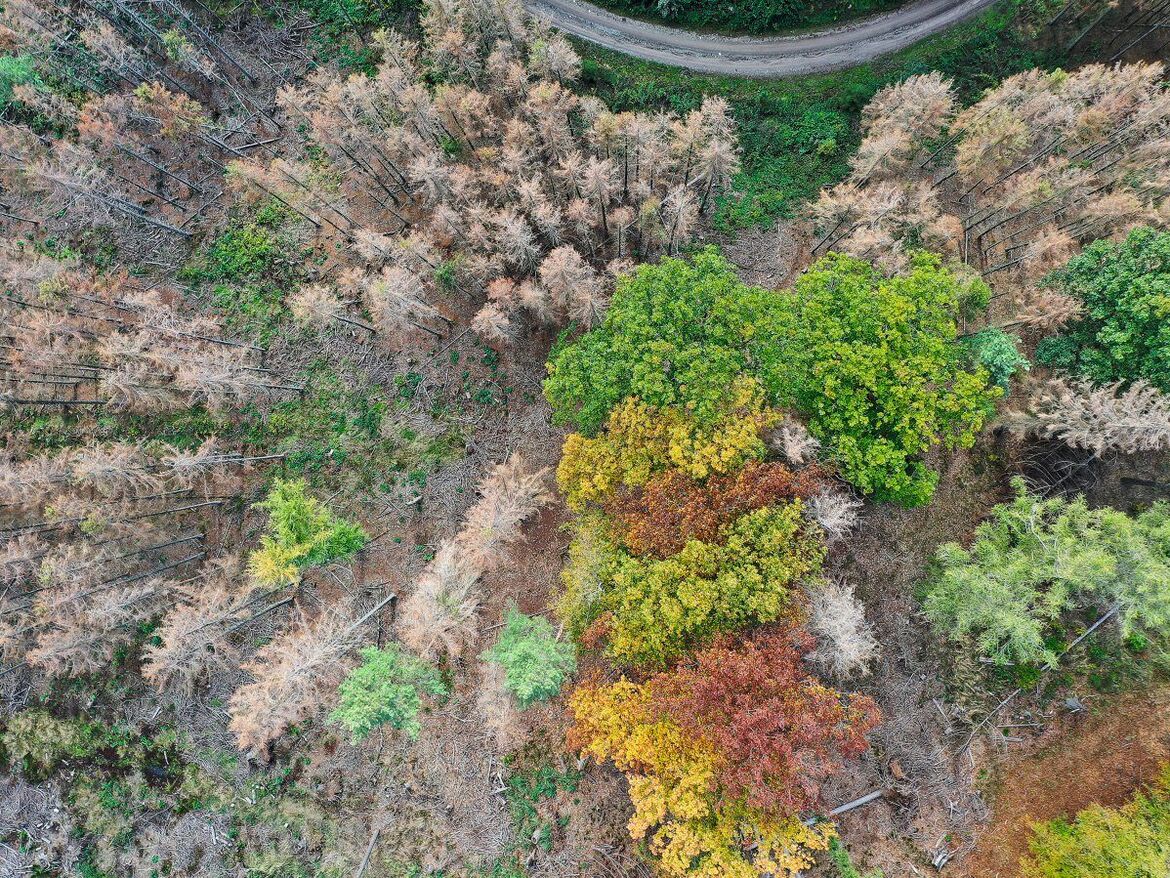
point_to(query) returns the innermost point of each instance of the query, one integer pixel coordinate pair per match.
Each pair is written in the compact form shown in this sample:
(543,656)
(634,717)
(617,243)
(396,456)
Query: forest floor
(1099,756)
(398,439)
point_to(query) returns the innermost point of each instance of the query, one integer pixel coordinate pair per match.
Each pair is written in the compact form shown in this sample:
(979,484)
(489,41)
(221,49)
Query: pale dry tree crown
(107,536)
(1044,162)
(837,512)
(794,441)
(846,641)
(899,121)
(114,469)
(1098,419)
(90,622)
(493,323)
(509,495)
(30,482)
(398,300)
(496,708)
(439,615)
(194,639)
(291,674)
(1043,310)
(1049,250)
(119,344)
(487,175)
(315,305)
(188,465)
(20,558)
(920,105)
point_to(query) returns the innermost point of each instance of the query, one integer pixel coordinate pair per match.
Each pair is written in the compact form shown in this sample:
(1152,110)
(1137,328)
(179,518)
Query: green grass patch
(333,426)
(839,854)
(534,782)
(342,27)
(250,267)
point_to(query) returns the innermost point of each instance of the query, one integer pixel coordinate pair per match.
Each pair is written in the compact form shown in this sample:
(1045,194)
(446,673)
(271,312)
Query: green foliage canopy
(874,363)
(659,607)
(535,663)
(677,333)
(1036,559)
(385,689)
(302,532)
(1124,334)
(1132,841)
(999,354)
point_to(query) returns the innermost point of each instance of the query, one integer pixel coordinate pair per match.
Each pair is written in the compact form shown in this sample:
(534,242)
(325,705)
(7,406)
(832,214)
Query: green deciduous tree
(1132,841)
(535,663)
(678,333)
(874,363)
(387,688)
(1124,333)
(302,532)
(1036,559)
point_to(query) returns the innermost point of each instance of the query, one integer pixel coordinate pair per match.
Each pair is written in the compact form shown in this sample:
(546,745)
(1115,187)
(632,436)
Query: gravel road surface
(813,52)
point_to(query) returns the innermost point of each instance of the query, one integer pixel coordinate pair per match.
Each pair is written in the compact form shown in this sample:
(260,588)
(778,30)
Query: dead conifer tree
(439,615)
(1098,419)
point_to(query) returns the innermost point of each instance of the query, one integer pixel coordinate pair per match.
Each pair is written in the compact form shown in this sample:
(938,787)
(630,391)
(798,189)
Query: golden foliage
(688,826)
(642,440)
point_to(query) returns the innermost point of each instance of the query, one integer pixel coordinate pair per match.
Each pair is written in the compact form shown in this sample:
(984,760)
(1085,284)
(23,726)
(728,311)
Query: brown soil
(1100,757)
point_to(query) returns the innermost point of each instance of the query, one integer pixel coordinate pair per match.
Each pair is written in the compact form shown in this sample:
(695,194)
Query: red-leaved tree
(779,731)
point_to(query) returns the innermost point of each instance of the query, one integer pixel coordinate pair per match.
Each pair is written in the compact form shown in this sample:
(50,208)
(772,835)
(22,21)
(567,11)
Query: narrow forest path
(814,52)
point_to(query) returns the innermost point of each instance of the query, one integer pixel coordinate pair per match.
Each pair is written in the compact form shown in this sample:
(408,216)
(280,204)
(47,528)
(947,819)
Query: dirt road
(813,52)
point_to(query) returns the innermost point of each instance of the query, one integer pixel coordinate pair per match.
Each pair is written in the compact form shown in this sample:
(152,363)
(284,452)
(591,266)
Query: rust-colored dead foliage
(672,509)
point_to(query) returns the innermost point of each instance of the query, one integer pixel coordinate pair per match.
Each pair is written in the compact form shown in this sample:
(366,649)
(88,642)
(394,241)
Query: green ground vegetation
(247,270)
(113,778)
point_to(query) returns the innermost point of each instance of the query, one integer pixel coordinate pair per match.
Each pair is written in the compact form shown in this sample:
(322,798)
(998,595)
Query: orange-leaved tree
(780,731)
(674,508)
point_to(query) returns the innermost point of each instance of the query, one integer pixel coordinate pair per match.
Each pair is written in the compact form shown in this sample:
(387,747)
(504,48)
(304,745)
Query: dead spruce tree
(1016,182)
(1098,419)
(72,338)
(292,673)
(142,145)
(500,186)
(99,539)
(439,615)
(195,637)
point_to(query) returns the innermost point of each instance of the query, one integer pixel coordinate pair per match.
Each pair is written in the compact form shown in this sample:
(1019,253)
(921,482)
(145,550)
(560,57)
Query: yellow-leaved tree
(640,441)
(689,827)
